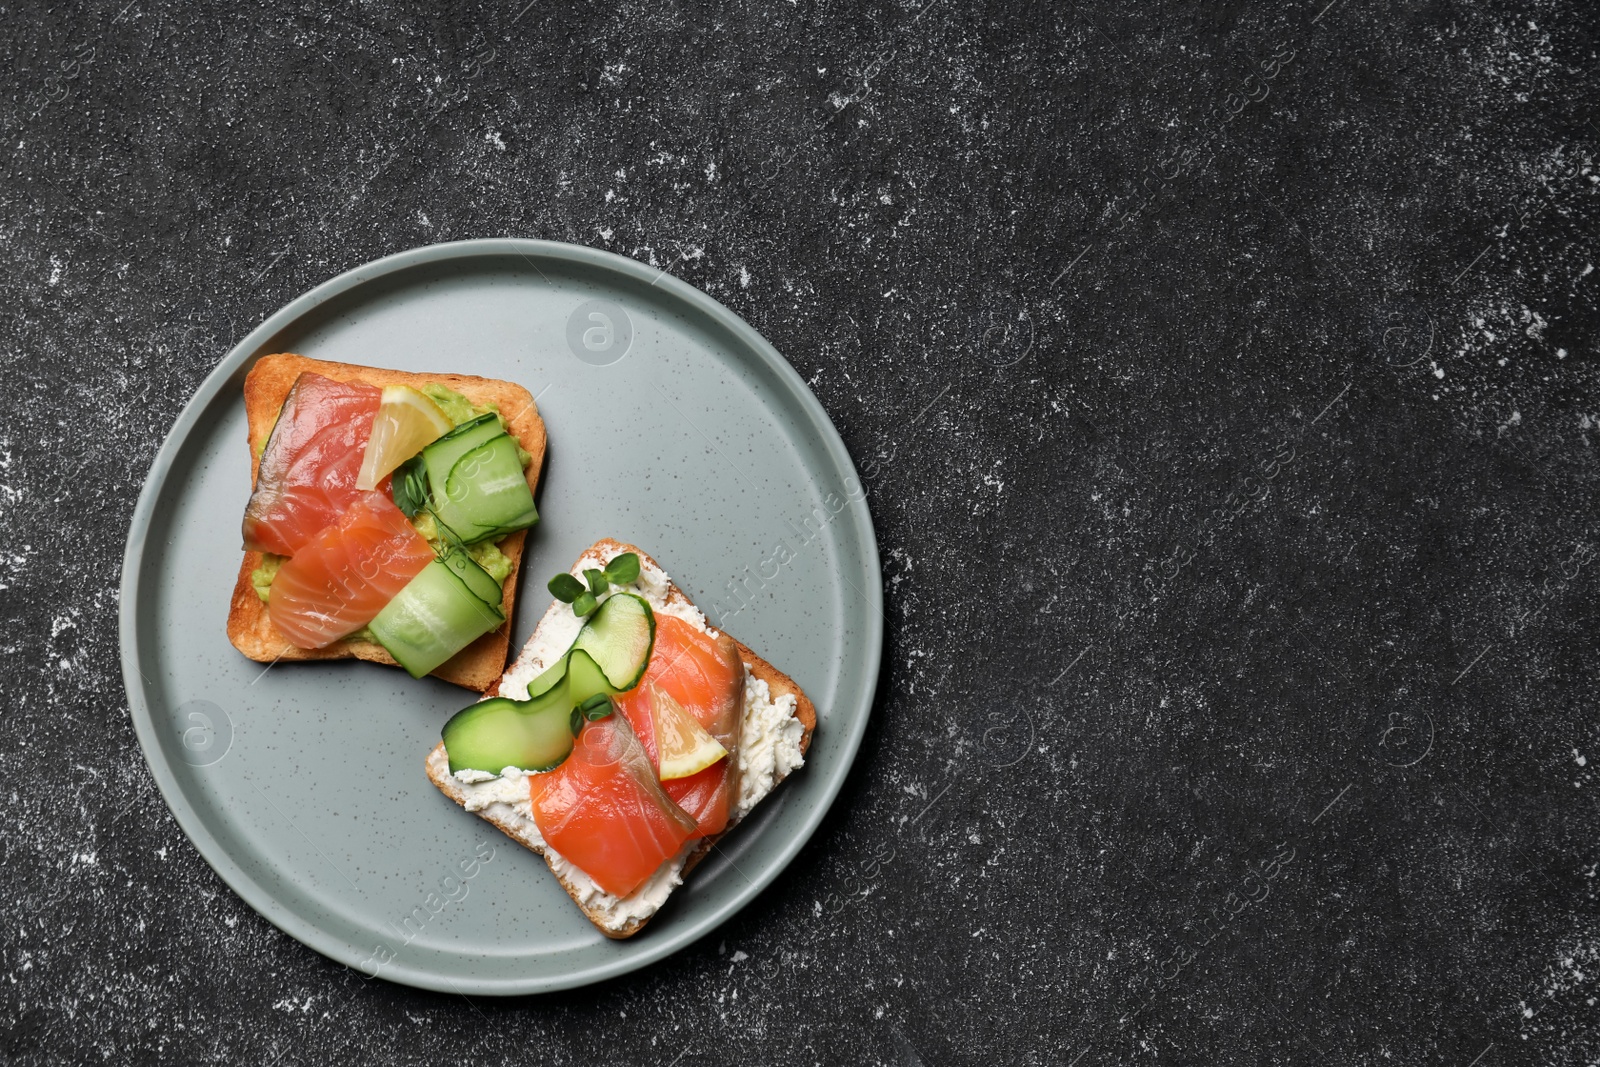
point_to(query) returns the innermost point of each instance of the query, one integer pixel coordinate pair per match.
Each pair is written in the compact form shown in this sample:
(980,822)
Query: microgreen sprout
(569,590)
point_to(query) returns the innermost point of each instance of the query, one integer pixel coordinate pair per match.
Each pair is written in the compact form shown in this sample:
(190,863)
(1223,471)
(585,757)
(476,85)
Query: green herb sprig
(594,709)
(569,590)
(410,487)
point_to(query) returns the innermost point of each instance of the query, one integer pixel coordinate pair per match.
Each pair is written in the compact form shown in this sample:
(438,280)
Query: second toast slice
(776,730)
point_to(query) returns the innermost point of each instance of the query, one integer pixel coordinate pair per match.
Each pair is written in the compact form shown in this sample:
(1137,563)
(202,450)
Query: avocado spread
(456,408)
(262,576)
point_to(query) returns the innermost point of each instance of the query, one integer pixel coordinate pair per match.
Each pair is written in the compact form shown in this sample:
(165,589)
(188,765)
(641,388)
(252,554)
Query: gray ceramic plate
(672,425)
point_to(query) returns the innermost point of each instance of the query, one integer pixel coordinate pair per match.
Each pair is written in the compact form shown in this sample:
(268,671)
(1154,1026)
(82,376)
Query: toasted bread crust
(480,664)
(438,765)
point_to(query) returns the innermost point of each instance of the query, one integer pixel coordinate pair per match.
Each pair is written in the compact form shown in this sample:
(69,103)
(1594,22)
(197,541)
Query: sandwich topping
(307,476)
(378,512)
(622,810)
(369,554)
(605,810)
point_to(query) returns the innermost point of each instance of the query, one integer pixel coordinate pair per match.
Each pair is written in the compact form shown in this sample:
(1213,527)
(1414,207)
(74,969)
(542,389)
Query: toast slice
(615,917)
(266,387)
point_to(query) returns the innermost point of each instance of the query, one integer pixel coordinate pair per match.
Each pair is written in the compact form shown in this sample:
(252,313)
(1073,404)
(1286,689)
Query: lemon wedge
(685,746)
(406,421)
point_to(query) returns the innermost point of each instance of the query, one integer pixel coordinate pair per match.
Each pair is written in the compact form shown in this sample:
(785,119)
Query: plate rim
(251,890)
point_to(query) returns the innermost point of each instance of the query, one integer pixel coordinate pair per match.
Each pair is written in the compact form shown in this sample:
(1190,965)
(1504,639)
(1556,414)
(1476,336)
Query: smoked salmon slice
(307,476)
(706,676)
(603,809)
(344,575)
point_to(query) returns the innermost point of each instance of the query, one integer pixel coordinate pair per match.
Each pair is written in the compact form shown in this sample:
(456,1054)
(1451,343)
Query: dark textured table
(1225,385)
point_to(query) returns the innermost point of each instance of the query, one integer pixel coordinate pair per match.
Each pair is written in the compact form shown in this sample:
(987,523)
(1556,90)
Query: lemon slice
(685,746)
(406,421)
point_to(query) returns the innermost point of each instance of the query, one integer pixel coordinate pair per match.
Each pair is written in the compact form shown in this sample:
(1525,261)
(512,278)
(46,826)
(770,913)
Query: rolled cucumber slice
(619,637)
(486,493)
(474,577)
(476,481)
(441,456)
(613,647)
(435,616)
(533,735)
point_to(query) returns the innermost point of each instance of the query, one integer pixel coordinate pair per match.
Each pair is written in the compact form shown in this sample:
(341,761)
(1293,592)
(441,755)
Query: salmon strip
(307,475)
(706,676)
(603,809)
(343,576)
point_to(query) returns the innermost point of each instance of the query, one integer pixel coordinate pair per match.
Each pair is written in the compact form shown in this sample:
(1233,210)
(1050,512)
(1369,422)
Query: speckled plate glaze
(673,425)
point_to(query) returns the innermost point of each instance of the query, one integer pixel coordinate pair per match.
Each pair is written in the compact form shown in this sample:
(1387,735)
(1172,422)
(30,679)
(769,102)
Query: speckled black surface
(1225,383)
